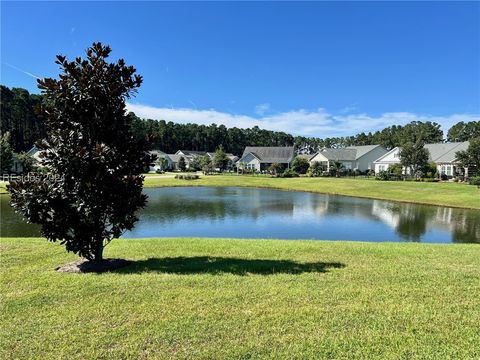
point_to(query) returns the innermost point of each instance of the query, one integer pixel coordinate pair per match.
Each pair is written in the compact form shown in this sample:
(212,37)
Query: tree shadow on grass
(220,265)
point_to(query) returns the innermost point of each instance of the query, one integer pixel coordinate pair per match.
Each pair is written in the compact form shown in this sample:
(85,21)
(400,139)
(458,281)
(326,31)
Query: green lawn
(243,299)
(447,194)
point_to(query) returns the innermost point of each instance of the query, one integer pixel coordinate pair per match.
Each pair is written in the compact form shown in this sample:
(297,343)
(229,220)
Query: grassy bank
(242,299)
(447,194)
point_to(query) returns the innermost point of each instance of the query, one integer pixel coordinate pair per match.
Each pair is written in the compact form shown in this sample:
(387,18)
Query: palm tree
(336,168)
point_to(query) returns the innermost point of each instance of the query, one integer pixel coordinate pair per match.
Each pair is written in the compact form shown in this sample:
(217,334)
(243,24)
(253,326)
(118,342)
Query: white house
(443,155)
(156,155)
(352,157)
(259,158)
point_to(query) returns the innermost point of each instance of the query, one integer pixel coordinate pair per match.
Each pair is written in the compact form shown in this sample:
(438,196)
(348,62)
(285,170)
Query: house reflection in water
(412,221)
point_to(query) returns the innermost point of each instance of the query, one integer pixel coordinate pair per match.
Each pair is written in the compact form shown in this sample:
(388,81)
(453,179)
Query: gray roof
(349,153)
(339,154)
(176,158)
(192,152)
(306,156)
(362,149)
(272,154)
(445,152)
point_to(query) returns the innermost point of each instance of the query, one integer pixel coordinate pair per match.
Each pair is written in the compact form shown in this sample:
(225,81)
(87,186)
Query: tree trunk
(99,251)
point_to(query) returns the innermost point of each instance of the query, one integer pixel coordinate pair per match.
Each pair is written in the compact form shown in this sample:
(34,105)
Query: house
(155,156)
(17,166)
(307,157)
(192,158)
(442,154)
(361,158)
(191,153)
(259,158)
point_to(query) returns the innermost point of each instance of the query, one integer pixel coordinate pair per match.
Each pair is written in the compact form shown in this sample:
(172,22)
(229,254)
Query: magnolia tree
(91,183)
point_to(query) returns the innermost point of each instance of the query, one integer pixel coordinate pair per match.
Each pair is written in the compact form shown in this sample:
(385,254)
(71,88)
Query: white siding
(251,162)
(366,162)
(319,157)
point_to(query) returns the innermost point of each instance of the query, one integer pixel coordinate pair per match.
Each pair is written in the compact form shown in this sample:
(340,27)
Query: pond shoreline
(192,183)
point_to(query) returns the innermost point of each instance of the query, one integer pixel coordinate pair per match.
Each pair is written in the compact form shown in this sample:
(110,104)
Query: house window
(348,165)
(381,168)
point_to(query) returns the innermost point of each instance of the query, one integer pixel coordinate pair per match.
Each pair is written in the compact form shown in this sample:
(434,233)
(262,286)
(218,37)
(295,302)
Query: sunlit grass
(241,299)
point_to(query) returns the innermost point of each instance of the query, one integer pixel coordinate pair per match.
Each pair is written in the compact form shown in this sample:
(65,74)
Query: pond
(260,213)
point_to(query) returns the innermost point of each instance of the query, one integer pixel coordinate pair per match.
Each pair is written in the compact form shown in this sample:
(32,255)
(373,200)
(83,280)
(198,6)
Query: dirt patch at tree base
(85,266)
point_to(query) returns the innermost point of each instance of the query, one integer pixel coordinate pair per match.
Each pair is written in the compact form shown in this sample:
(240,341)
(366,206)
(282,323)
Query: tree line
(20,119)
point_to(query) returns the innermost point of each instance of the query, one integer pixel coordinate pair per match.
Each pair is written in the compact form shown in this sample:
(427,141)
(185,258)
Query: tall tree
(6,153)
(182,165)
(462,131)
(470,158)
(220,159)
(94,185)
(414,156)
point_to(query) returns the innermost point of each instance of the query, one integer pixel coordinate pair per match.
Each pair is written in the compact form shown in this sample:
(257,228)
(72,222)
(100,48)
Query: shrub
(300,165)
(383,175)
(429,170)
(316,169)
(396,169)
(187,176)
(160,171)
(475,180)
(289,173)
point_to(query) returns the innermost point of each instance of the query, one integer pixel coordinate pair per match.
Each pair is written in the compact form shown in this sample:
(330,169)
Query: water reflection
(258,213)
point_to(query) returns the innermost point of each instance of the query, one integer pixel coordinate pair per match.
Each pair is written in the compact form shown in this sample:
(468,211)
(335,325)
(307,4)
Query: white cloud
(318,122)
(262,109)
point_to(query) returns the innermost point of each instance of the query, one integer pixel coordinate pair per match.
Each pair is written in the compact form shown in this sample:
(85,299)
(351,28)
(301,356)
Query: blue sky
(318,69)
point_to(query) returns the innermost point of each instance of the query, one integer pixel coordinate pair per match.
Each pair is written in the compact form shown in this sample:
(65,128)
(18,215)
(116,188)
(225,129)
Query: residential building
(156,155)
(361,158)
(442,154)
(259,158)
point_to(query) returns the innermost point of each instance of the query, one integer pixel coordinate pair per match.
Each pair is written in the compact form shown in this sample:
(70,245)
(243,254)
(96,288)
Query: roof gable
(272,154)
(445,152)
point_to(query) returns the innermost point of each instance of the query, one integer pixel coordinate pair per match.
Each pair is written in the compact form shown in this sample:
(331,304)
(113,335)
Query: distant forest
(19,117)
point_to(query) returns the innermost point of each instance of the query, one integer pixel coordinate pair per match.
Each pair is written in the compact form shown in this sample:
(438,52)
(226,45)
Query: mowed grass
(243,299)
(446,194)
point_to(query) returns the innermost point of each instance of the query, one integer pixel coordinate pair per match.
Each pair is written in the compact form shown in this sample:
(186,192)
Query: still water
(260,213)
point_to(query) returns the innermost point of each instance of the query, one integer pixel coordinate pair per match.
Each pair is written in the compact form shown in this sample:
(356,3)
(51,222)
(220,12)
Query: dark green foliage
(396,170)
(383,175)
(336,168)
(414,156)
(182,165)
(206,164)
(220,159)
(27,162)
(92,186)
(316,169)
(19,117)
(475,180)
(162,163)
(430,170)
(300,165)
(289,173)
(464,131)
(187,176)
(6,153)
(470,158)
(276,169)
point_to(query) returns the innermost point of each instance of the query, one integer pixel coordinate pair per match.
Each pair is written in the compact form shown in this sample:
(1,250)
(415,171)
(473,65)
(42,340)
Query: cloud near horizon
(312,123)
